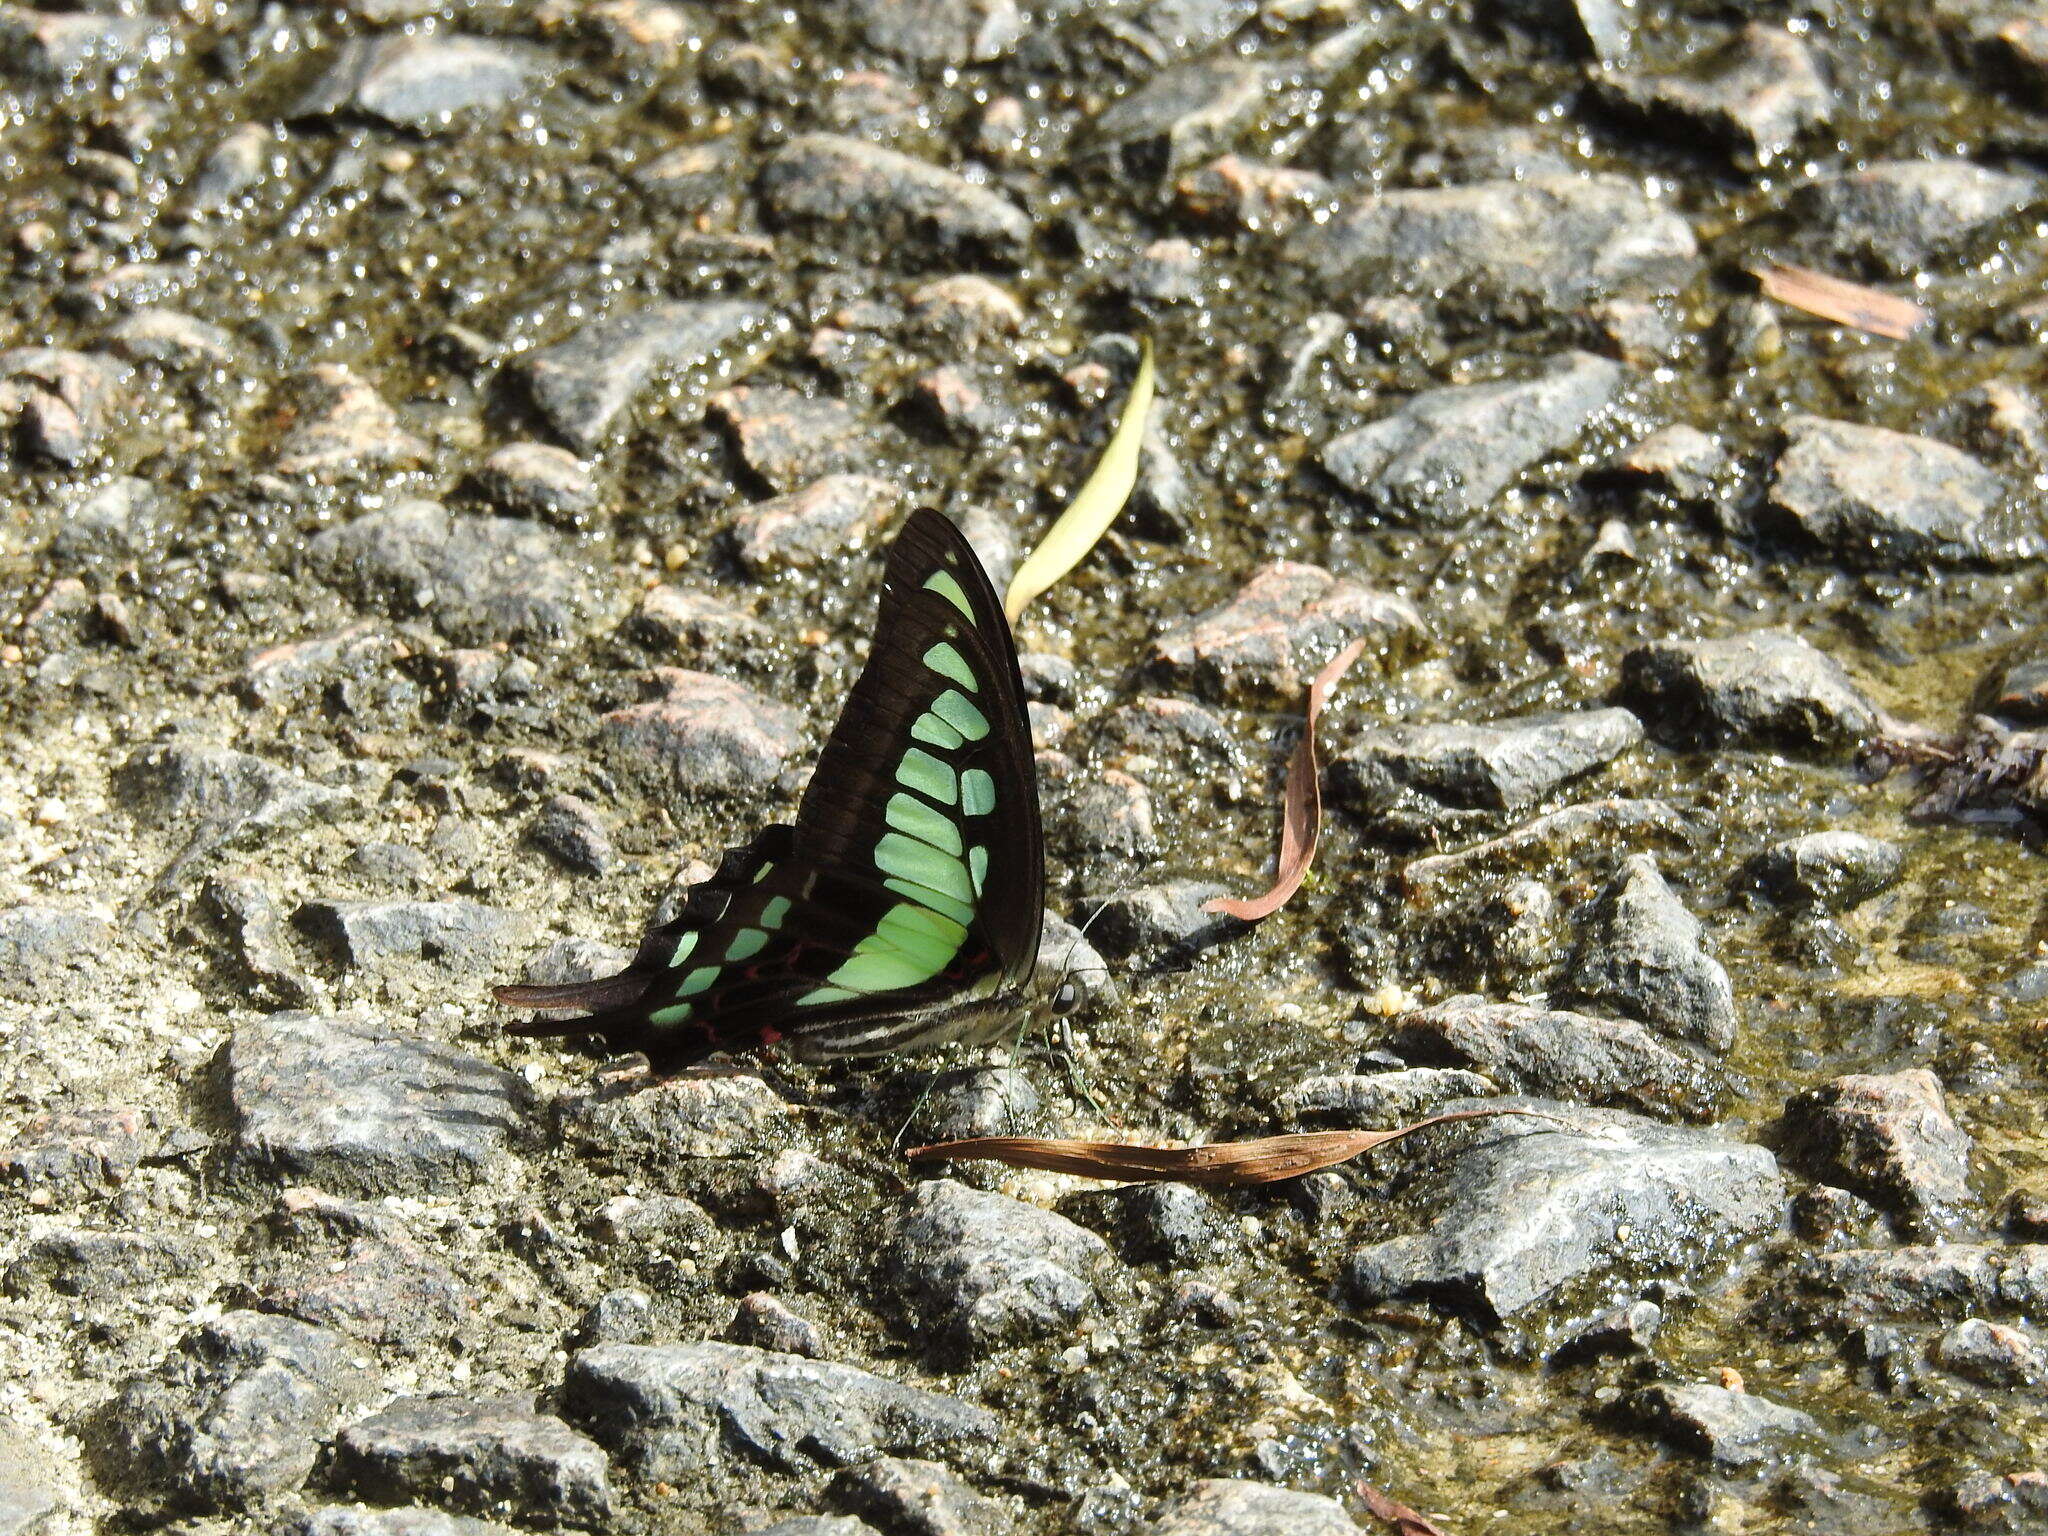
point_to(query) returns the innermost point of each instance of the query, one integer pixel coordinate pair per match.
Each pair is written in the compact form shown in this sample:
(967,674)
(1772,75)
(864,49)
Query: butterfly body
(903,907)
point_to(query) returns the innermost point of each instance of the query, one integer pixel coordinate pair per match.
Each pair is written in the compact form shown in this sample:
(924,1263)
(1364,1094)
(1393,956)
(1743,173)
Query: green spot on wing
(907,813)
(959,911)
(762,873)
(919,932)
(924,773)
(920,862)
(684,945)
(674,1013)
(942,582)
(883,970)
(977,792)
(977,865)
(745,944)
(929,728)
(697,981)
(772,914)
(955,708)
(826,995)
(948,662)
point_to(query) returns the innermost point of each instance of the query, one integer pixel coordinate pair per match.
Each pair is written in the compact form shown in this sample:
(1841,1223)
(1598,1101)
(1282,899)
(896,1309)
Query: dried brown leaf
(1845,303)
(1302,819)
(1261,1161)
(1405,1521)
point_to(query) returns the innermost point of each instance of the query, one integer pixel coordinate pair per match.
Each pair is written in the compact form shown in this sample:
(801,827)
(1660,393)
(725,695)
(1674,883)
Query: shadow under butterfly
(903,908)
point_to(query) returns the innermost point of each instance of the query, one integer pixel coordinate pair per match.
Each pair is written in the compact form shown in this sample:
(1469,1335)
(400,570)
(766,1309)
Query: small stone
(224,795)
(1252,195)
(172,341)
(1730,1428)
(1985,1501)
(680,1410)
(99,1266)
(31,1500)
(966,308)
(1890,1138)
(1267,642)
(919,1498)
(63,1157)
(581,385)
(346,665)
(422,81)
(1991,1354)
(390,866)
(1628,1330)
(538,480)
(1560,1055)
(1881,499)
(386,1291)
(341,424)
(1926,1283)
(1170,1224)
(1834,1218)
(1378,1100)
(1766,689)
(766,1323)
(1501,765)
(2004,421)
(940,31)
(825,520)
(354,1520)
(785,437)
(1643,957)
(493,1453)
(1758,96)
(1834,870)
(571,829)
(235,1414)
(678,619)
(390,937)
(1151,919)
(1185,113)
(1447,453)
(907,208)
(958,404)
(67,45)
(61,402)
(1894,218)
(980,1101)
(1682,462)
(1233,1507)
(691,178)
(617,1317)
(1111,816)
(480,579)
(42,947)
(1503,251)
(705,734)
(328,1099)
(1164,272)
(989,1271)
(674,1119)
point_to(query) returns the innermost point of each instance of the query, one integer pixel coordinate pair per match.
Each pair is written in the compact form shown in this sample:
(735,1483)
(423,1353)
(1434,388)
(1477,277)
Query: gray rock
(767,1323)
(1504,251)
(979,1101)
(1678,461)
(480,579)
(681,1411)
(1109,815)
(581,385)
(219,794)
(1255,195)
(966,308)
(1602,28)
(1884,500)
(341,424)
(705,734)
(989,1271)
(491,1453)
(1642,956)
(1266,643)
(1500,765)
(2011,1501)
(62,1157)
(788,438)
(235,1414)
(1378,1100)
(1187,112)
(1766,689)
(2022,691)
(1149,733)
(61,402)
(175,342)
(1933,1283)
(1154,919)
(40,948)
(667,1122)
(1170,1224)
(1730,1428)
(391,937)
(681,621)
(1533,1217)
(538,480)
(1447,453)
(1889,1138)
(261,940)
(330,1100)
(1990,1354)
(422,81)
(905,208)
(67,45)
(1835,870)
(384,1290)
(98,1266)
(1233,1507)
(351,664)
(113,518)
(571,829)
(1609,1062)
(825,520)
(1898,217)
(940,31)
(1629,1330)
(342,1520)
(919,1498)
(1757,96)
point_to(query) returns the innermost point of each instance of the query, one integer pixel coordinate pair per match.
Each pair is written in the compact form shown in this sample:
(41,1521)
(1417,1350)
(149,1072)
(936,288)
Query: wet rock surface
(448,452)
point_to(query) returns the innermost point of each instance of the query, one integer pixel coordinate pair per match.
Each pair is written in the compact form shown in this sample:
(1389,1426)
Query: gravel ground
(448,448)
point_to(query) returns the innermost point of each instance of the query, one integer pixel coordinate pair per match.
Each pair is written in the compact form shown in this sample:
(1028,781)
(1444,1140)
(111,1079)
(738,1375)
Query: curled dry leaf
(1262,1161)
(1405,1521)
(1090,513)
(1302,819)
(1845,303)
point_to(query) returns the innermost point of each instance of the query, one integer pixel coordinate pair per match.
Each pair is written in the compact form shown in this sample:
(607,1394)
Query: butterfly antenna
(903,1130)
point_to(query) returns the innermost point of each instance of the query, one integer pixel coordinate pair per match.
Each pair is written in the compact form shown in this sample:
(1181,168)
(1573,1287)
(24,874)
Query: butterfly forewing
(914,874)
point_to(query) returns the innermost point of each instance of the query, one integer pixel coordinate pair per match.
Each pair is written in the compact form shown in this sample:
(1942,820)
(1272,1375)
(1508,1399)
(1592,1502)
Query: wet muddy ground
(448,449)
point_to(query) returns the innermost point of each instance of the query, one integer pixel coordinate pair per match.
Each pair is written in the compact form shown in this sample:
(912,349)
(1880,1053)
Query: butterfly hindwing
(913,876)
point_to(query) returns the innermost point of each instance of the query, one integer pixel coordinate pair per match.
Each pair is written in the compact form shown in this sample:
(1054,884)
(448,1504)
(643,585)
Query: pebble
(1643,956)
(492,1454)
(1838,871)
(673,1120)
(538,480)
(703,734)
(393,937)
(1883,500)
(421,81)
(1893,218)
(1758,96)
(940,31)
(825,520)
(1890,1138)
(572,831)
(919,1498)
(341,424)
(1159,919)
(1767,689)
(1184,114)
(1499,765)
(787,438)
(1219,1506)
(1730,1428)
(906,208)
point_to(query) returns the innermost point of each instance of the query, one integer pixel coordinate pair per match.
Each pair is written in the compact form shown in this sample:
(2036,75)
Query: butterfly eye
(1067,999)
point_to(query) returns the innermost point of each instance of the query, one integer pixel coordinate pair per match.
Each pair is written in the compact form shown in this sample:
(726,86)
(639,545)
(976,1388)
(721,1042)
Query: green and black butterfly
(903,909)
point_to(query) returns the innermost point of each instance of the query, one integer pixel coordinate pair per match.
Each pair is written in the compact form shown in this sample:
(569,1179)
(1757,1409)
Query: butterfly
(903,908)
